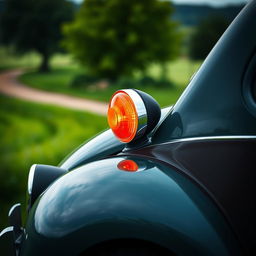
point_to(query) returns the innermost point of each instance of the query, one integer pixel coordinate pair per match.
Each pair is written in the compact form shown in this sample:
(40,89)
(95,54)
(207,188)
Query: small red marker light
(128,165)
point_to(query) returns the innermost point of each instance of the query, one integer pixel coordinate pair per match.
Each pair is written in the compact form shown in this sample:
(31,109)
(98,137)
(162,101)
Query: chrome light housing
(39,178)
(132,114)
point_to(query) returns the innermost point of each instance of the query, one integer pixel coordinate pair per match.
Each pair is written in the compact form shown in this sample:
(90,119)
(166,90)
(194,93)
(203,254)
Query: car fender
(99,202)
(101,146)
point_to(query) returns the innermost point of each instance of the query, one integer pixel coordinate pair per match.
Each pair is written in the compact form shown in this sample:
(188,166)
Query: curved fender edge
(99,202)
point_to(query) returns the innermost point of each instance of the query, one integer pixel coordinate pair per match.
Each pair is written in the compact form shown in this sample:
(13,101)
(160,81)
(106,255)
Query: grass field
(32,133)
(179,72)
(9,59)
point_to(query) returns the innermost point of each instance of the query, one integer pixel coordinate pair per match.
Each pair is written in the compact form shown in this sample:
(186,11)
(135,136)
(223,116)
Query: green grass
(9,59)
(179,72)
(32,133)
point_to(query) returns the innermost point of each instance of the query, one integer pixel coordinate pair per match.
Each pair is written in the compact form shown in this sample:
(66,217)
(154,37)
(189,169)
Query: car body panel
(102,145)
(213,103)
(105,144)
(98,202)
(222,166)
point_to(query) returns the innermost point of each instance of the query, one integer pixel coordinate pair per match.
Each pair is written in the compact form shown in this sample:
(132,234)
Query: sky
(209,2)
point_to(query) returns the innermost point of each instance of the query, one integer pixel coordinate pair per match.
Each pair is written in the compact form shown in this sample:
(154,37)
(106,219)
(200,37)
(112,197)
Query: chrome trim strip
(31,178)
(231,137)
(141,111)
(6,230)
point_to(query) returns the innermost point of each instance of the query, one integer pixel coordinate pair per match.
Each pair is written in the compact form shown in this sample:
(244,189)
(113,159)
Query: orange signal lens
(128,165)
(122,116)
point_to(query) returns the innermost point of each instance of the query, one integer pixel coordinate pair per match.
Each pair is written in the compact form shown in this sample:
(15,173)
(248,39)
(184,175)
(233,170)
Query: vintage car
(173,181)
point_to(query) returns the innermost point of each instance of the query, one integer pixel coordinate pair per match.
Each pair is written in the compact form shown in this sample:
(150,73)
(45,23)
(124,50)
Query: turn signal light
(132,114)
(122,116)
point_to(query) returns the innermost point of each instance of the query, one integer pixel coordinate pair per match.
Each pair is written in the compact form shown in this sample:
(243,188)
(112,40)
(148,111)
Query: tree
(2,4)
(206,35)
(113,38)
(35,25)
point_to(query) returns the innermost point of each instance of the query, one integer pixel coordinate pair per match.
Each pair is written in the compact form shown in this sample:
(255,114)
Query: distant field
(9,59)
(32,133)
(64,70)
(179,73)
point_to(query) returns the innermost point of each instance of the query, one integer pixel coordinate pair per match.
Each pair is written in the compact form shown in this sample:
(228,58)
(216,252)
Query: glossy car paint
(98,202)
(224,167)
(103,145)
(213,103)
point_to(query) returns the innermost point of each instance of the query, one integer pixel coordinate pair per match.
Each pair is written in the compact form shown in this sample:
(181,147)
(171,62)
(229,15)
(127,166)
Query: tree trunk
(44,67)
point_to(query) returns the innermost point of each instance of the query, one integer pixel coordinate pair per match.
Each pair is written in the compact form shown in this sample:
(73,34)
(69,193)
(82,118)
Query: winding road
(9,85)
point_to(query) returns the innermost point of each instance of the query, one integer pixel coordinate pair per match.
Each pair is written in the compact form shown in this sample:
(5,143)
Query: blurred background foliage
(90,50)
(120,37)
(208,31)
(35,25)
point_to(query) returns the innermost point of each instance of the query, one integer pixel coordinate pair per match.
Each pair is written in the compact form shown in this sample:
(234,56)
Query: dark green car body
(194,192)
(98,202)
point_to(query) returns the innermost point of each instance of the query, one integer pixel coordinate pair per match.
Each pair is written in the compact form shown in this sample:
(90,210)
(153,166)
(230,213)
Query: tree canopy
(206,35)
(35,25)
(114,38)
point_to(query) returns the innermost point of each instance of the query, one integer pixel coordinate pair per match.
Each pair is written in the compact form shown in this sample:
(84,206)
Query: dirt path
(9,85)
